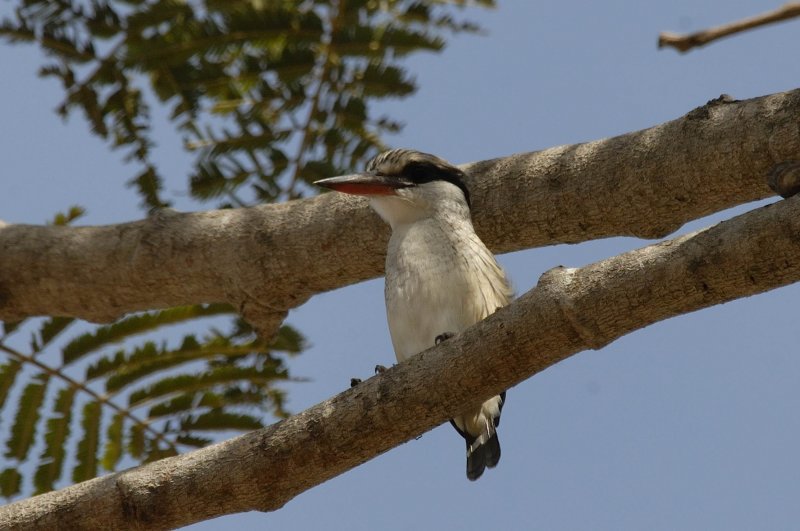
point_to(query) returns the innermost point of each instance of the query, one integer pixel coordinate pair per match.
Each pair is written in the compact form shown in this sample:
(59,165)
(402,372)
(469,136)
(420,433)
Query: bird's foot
(443,337)
(379,369)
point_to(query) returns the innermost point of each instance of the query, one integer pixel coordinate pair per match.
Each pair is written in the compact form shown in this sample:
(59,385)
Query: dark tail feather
(484,455)
(492,451)
(476,462)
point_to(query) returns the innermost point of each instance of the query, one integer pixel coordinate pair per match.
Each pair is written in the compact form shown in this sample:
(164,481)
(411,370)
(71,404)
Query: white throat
(437,199)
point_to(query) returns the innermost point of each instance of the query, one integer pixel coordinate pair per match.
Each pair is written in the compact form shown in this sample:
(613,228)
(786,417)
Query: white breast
(439,279)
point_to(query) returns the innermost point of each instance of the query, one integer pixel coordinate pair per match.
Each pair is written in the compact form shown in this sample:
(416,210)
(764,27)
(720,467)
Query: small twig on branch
(684,43)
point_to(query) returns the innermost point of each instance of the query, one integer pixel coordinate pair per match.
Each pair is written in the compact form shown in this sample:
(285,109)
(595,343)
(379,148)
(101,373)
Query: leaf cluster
(111,396)
(269,94)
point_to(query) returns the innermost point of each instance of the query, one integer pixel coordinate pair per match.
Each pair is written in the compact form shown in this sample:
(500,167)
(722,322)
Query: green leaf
(51,328)
(164,359)
(10,326)
(113,451)
(192,400)
(8,373)
(136,441)
(103,21)
(381,80)
(123,368)
(220,420)
(288,340)
(10,482)
(148,183)
(52,458)
(193,441)
(60,45)
(17,34)
(23,431)
(317,169)
(88,444)
(136,324)
(184,383)
(65,218)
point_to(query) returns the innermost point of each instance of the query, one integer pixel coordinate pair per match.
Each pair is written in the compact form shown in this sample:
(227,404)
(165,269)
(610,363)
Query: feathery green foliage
(184,383)
(24,429)
(225,383)
(65,218)
(10,482)
(136,324)
(247,81)
(88,443)
(114,447)
(8,373)
(268,97)
(136,441)
(50,329)
(58,427)
(219,420)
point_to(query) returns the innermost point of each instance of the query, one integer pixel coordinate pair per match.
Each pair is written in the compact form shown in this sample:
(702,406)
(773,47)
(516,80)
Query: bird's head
(405,186)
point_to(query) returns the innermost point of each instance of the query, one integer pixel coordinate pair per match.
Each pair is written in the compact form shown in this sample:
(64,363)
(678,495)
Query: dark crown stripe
(419,168)
(421,172)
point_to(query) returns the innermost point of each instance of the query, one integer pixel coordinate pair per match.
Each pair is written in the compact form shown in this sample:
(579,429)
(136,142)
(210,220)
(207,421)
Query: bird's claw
(443,337)
(378,370)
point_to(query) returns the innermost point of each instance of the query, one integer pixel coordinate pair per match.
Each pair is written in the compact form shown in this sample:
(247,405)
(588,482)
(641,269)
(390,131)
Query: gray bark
(268,259)
(568,311)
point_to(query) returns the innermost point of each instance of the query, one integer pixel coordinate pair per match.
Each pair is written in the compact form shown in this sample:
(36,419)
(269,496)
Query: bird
(440,277)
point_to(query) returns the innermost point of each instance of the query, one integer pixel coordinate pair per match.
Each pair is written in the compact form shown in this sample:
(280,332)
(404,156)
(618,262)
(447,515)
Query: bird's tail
(483,446)
(483,453)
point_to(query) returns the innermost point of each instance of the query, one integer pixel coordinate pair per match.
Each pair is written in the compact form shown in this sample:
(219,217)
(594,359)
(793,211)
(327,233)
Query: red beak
(365,184)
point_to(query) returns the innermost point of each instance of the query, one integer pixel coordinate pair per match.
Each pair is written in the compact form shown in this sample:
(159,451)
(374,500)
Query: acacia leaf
(88,444)
(183,383)
(8,374)
(58,426)
(136,324)
(114,446)
(23,431)
(10,482)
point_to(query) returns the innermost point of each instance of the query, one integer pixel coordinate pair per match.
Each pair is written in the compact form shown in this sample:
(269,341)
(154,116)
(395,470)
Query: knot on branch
(784,178)
(265,321)
(784,140)
(704,112)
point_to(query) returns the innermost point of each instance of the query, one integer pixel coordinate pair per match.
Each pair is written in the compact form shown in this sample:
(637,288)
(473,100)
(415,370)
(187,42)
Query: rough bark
(568,311)
(268,259)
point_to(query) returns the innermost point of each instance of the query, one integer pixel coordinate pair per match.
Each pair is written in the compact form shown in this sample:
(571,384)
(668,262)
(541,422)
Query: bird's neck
(436,243)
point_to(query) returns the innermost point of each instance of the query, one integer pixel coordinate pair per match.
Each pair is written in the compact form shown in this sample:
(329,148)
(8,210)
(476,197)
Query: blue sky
(688,424)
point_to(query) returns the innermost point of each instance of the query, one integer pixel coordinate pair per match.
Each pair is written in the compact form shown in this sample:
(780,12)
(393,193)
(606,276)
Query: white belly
(434,287)
(421,309)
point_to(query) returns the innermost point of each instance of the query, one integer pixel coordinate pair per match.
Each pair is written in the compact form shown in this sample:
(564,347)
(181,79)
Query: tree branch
(568,311)
(268,259)
(684,43)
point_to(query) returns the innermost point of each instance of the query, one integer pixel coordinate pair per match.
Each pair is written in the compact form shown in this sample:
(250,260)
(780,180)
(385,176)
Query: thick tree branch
(570,310)
(684,43)
(268,259)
